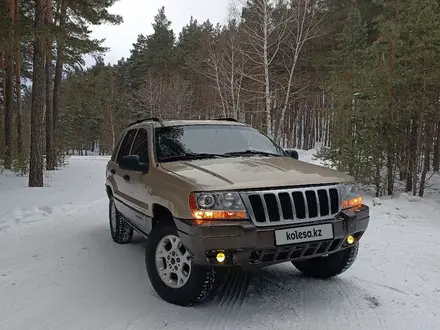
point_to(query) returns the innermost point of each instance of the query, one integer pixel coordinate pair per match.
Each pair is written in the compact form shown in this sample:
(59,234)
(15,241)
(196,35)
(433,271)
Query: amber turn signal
(352,203)
(200,215)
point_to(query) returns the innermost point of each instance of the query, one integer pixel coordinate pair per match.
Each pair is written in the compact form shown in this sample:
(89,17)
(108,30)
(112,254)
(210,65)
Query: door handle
(112,171)
(126,177)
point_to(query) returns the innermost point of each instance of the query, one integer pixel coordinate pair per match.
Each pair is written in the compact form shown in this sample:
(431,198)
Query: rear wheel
(120,231)
(329,266)
(172,274)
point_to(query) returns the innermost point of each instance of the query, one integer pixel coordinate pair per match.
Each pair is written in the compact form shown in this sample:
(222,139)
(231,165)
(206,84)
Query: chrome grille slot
(324,201)
(293,205)
(334,200)
(286,205)
(272,207)
(312,203)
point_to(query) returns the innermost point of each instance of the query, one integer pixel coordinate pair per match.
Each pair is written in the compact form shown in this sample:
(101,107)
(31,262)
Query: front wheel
(172,274)
(329,266)
(120,231)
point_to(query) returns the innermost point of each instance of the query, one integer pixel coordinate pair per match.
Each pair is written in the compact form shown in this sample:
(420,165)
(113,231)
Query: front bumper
(246,245)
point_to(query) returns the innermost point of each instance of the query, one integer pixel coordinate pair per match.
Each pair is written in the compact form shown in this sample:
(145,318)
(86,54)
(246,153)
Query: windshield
(205,141)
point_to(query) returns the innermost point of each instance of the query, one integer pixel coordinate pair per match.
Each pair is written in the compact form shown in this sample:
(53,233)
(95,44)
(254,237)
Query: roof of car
(161,122)
(199,122)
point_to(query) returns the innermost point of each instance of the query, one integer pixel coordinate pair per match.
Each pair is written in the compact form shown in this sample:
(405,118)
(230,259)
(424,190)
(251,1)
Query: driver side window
(140,146)
(125,148)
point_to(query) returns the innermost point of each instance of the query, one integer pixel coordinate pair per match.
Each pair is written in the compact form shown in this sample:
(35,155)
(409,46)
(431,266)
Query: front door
(139,189)
(122,188)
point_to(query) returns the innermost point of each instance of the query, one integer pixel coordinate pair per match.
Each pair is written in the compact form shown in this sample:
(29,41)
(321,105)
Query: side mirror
(292,153)
(132,163)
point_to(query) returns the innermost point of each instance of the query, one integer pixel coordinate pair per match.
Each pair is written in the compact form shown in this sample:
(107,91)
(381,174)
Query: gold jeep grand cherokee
(209,194)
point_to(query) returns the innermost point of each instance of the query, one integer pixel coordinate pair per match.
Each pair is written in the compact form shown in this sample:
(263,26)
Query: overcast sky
(138,16)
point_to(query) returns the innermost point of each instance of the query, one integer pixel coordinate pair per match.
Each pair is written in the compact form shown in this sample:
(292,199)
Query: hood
(253,172)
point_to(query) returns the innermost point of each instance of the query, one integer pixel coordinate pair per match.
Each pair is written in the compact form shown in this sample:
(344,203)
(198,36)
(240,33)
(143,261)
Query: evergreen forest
(358,80)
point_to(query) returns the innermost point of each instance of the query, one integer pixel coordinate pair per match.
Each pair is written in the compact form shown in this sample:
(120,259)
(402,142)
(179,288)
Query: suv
(214,194)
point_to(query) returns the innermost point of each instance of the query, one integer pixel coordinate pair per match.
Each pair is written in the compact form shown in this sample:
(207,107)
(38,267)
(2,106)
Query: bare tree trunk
(377,178)
(18,80)
(412,154)
(402,156)
(38,99)
(112,125)
(390,114)
(427,154)
(50,150)
(58,77)
(267,93)
(306,130)
(390,168)
(436,157)
(415,152)
(9,88)
(2,68)
(294,130)
(312,129)
(318,128)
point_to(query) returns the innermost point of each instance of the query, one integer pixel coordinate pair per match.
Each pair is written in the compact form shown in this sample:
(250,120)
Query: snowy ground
(59,269)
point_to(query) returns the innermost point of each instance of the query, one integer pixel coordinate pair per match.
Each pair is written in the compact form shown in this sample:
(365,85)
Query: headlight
(351,197)
(217,205)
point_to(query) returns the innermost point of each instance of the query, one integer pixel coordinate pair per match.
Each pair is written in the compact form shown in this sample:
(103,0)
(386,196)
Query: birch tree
(226,65)
(169,98)
(263,38)
(303,26)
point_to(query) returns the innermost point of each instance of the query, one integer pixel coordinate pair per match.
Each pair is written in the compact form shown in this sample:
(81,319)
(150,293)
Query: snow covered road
(59,269)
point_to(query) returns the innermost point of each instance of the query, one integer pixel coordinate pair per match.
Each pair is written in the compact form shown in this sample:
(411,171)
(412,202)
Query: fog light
(220,257)
(350,239)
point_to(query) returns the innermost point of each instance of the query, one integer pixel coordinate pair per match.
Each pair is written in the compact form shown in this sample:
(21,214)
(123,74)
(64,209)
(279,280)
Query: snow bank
(59,269)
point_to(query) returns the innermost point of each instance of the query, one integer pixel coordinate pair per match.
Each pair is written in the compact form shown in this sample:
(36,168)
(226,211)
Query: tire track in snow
(234,308)
(355,304)
(351,304)
(229,302)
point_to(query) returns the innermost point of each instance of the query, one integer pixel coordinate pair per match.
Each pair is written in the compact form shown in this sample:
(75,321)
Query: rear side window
(126,145)
(140,146)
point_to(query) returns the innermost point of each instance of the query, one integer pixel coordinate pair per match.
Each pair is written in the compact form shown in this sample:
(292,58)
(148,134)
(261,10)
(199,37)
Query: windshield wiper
(251,153)
(190,157)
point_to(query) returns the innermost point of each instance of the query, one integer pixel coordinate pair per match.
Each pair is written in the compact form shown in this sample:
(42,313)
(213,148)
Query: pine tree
(38,98)
(153,54)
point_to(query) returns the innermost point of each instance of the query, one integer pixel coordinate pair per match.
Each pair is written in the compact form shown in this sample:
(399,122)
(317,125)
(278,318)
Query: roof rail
(226,119)
(141,120)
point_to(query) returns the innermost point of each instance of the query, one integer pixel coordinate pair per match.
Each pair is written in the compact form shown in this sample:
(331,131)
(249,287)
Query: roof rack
(141,120)
(226,119)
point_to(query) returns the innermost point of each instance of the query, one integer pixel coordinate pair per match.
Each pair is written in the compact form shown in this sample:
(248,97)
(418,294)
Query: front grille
(297,251)
(292,206)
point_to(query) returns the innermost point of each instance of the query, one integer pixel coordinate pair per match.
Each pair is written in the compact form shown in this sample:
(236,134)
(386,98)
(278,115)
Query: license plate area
(304,234)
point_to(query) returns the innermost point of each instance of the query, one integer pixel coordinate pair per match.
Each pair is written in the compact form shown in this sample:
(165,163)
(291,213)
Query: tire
(196,282)
(120,231)
(330,266)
